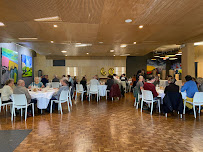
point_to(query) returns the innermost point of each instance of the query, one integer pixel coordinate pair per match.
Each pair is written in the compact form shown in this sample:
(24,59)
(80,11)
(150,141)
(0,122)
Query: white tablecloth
(102,90)
(42,97)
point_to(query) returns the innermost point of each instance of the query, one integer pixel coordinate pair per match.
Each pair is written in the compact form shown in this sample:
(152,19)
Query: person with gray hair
(55,79)
(200,84)
(21,89)
(172,87)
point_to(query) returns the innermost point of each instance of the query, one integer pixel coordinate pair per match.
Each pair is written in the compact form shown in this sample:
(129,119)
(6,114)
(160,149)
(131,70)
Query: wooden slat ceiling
(92,21)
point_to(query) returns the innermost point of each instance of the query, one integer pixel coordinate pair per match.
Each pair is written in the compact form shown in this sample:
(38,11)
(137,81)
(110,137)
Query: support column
(188,60)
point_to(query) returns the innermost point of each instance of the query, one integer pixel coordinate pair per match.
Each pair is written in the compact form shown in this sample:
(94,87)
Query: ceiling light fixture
(171,55)
(78,43)
(111,50)
(28,38)
(114,55)
(101,42)
(156,56)
(178,53)
(134,42)
(63,51)
(87,53)
(2,24)
(123,45)
(66,55)
(173,58)
(52,41)
(55,25)
(125,55)
(198,43)
(128,20)
(54,18)
(141,26)
(153,59)
(82,45)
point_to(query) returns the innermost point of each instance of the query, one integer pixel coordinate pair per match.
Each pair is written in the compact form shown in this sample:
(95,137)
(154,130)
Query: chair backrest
(147,95)
(93,88)
(79,88)
(64,95)
(55,84)
(19,99)
(198,97)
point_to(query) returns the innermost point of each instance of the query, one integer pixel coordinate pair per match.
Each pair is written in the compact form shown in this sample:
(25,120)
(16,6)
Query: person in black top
(55,79)
(84,83)
(45,80)
(172,87)
(109,82)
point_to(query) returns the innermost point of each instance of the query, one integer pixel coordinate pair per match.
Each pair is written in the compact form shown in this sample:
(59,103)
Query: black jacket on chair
(173,101)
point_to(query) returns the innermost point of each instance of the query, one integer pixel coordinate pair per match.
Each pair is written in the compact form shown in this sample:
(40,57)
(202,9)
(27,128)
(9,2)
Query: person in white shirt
(7,91)
(94,81)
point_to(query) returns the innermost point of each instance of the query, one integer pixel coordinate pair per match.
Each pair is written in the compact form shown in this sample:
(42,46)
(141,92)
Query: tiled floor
(108,126)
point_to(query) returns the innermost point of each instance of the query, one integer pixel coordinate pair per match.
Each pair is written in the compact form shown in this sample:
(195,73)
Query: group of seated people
(190,86)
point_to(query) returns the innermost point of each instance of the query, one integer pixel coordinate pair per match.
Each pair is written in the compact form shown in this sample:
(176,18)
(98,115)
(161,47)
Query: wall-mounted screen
(59,63)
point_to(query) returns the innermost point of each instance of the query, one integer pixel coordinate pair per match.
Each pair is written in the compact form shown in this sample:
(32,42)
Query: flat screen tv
(59,63)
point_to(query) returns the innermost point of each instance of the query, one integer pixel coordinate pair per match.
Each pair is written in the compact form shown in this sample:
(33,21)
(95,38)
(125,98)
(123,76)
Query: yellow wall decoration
(111,71)
(102,72)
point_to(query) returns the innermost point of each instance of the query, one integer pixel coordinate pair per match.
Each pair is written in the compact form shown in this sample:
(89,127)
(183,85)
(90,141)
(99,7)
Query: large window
(119,70)
(72,71)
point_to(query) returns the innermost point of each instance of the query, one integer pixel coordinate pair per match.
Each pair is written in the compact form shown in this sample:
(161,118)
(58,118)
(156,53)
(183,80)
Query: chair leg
(12,113)
(181,116)
(165,114)
(89,96)
(97,97)
(70,102)
(194,111)
(61,108)
(51,106)
(159,106)
(6,108)
(184,108)
(199,109)
(33,110)
(135,102)
(25,113)
(76,96)
(141,105)
(137,105)
(106,95)
(21,110)
(112,98)
(68,106)
(82,97)
(151,108)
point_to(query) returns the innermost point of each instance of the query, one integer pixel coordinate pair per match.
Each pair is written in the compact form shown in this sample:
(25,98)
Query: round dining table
(43,97)
(102,90)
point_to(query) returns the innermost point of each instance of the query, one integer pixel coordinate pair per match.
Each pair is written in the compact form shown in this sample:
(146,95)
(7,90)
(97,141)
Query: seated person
(172,87)
(190,87)
(150,86)
(156,82)
(21,89)
(55,79)
(200,84)
(94,81)
(84,83)
(45,80)
(109,82)
(7,91)
(36,83)
(140,84)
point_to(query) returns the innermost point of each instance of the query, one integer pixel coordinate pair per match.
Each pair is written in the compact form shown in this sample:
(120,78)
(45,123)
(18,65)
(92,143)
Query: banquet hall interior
(95,75)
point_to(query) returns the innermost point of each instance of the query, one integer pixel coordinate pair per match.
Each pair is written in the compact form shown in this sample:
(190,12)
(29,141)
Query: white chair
(55,84)
(123,83)
(107,93)
(20,101)
(5,104)
(79,89)
(137,103)
(94,90)
(69,96)
(64,97)
(148,98)
(197,101)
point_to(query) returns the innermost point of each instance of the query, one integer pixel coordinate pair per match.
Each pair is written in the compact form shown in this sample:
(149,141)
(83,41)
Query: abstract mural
(26,66)
(9,65)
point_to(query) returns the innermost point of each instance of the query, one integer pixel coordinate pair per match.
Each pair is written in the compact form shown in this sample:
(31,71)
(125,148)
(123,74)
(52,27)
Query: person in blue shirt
(36,83)
(190,87)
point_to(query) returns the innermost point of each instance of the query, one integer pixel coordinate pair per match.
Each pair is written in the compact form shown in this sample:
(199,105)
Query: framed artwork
(157,65)
(9,65)
(26,65)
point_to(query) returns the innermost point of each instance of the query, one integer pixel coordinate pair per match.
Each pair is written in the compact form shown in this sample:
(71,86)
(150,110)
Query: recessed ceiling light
(123,45)
(87,53)
(114,55)
(153,59)
(173,58)
(156,56)
(171,55)
(54,18)
(141,26)
(63,51)
(66,55)
(179,54)
(111,50)
(125,55)
(198,43)
(52,41)
(128,20)
(101,42)
(28,38)
(134,42)
(55,25)
(78,43)
(2,24)
(82,45)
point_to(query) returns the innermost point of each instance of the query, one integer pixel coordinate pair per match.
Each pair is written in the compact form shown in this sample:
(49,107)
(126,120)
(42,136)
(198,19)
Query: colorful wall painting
(9,65)
(157,65)
(26,65)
